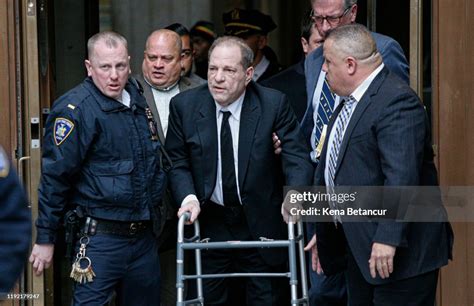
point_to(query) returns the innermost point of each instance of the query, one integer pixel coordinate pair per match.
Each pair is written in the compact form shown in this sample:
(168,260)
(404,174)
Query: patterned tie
(229,182)
(340,126)
(325,109)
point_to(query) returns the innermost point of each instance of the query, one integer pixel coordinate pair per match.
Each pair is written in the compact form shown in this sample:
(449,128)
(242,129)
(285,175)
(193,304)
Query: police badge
(62,129)
(322,139)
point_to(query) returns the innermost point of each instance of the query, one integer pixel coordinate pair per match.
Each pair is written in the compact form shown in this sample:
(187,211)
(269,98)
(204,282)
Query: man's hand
(287,206)
(315,264)
(41,257)
(381,260)
(276,144)
(193,208)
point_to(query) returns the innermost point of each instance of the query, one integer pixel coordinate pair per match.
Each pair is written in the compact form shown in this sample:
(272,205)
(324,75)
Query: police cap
(242,23)
(204,29)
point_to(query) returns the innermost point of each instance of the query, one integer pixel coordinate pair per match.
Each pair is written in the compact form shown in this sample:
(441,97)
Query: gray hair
(245,51)
(110,38)
(347,3)
(356,41)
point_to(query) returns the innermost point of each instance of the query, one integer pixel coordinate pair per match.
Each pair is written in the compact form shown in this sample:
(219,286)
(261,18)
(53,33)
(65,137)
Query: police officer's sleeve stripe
(62,129)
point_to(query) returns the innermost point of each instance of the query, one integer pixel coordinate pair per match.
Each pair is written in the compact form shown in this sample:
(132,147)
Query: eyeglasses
(332,20)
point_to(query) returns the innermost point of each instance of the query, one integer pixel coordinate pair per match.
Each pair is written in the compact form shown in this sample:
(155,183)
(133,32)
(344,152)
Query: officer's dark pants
(127,265)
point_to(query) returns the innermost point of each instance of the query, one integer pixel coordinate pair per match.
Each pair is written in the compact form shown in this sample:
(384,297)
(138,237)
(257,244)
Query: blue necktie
(325,109)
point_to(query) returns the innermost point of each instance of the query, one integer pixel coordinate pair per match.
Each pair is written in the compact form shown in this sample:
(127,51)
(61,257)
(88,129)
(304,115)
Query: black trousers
(415,291)
(222,224)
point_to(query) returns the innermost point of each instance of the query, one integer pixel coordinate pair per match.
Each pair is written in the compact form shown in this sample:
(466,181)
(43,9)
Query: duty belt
(120,228)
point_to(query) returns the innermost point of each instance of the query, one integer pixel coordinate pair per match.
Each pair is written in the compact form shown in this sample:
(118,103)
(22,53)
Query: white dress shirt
(234,122)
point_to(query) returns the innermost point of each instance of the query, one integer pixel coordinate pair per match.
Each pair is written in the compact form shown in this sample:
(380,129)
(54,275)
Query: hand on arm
(290,207)
(276,144)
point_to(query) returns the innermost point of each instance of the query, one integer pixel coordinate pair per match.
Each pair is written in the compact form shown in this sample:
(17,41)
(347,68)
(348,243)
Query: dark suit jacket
(184,84)
(167,237)
(393,58)
(387,143)
(192,145)
(274,66)
(291,82)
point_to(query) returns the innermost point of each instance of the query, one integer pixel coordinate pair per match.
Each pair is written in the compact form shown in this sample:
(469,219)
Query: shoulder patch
(62,129)
(4,164)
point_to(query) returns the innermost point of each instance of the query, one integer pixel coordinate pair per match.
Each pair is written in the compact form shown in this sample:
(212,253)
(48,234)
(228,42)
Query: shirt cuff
(189,198)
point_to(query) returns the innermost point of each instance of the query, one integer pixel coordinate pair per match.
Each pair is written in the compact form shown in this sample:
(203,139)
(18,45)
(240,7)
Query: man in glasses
(187,52)
(327,15)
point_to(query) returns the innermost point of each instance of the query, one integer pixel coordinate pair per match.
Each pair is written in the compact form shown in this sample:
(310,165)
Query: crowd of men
(128,155)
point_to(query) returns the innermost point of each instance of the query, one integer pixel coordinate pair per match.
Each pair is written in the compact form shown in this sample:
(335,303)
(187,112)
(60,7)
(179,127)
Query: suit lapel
(358,112)
(150,100)
(207,131)
(313,66)
(184,84)
(249,118)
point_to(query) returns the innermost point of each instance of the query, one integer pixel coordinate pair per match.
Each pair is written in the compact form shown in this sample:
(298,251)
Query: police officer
(15,226)
(253,27)
(102,157)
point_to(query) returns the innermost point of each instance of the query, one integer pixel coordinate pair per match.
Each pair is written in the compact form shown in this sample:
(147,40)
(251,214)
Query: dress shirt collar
(235,108)
(359,92)
(125,98)
(260,68)
(165,89)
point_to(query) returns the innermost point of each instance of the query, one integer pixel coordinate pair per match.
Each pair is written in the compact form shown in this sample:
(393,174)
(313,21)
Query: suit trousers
(222,224)
(415,291)
(326,290)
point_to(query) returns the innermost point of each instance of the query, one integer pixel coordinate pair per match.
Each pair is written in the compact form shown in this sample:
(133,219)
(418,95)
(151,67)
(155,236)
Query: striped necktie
(340,126)
(325,109)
